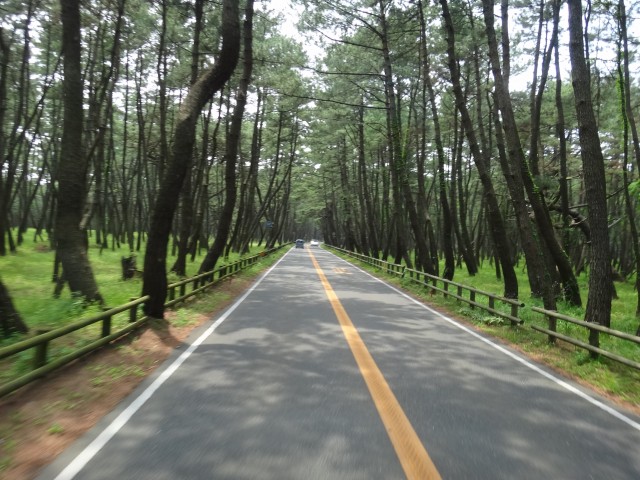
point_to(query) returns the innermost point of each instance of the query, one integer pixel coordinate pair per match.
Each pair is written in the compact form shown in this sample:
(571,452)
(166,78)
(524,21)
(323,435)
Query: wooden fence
(595,329)
(431,282)
(448,288)
(41,365)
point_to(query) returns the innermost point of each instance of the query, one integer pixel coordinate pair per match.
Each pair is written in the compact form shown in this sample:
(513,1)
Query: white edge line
(81,460)
(523,361)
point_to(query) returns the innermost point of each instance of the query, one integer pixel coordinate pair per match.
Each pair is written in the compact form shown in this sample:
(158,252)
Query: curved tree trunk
(212,80)
(233,145)
(187,196)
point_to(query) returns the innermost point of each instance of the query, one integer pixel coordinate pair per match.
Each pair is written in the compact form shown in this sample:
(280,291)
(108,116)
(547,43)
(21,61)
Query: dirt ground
(41,420)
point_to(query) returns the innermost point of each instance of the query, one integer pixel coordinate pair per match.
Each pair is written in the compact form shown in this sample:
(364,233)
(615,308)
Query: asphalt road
(277,388)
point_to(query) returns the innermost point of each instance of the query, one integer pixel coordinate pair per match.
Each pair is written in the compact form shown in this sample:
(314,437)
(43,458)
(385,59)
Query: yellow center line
(412,455)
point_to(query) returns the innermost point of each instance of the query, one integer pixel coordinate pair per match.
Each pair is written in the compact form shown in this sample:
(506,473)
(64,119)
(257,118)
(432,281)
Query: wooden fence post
(514,310)
(40,352)
(106,325)
(594,341)
(553,322)
(133,313)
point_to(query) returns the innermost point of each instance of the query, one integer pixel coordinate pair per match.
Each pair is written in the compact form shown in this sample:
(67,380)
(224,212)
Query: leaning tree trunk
(212,80)
(599,299)
(187,196)
(515,170)
(233,144)
(72,169)
(494,216)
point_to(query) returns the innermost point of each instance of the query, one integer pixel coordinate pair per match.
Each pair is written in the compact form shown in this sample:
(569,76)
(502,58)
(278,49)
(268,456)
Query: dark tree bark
(560,126)
(402,198)
(459,212)
(346,198)
(365,192)
(187,194)
(248,208)
(511,160)
(494,216)
(10,320)
(447,221)
(233,145)
(599,300)
(72,169)
(516,155)
(211,81)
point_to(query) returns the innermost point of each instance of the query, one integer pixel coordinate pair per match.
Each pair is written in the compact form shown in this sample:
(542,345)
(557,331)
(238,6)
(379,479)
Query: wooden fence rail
(40,343)
(431,282)
(594,335)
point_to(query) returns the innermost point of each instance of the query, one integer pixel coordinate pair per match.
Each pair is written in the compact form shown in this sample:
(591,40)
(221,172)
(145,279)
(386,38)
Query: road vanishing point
(321,371)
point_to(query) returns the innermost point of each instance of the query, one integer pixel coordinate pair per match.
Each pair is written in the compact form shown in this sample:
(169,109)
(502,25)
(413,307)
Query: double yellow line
(412,455)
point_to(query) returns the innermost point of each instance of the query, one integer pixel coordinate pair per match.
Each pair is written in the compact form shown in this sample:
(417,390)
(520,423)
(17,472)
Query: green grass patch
(55,429)
(109,373)
(28,276)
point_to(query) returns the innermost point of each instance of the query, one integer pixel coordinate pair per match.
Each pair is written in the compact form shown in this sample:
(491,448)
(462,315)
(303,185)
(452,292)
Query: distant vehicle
(314,243)
(299,243)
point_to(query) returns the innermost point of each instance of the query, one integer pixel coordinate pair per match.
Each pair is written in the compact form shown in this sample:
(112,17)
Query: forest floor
(40,421)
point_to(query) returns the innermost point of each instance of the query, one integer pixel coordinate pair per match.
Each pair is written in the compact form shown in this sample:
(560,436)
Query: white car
(314,243)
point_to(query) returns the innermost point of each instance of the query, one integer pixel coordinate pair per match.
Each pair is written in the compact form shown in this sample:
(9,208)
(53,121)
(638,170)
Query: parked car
(299,243)
(314,243)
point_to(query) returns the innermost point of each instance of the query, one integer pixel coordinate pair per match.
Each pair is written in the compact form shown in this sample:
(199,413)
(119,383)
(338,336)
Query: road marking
(341,271)
(81,460)
(523,361)
(412,455)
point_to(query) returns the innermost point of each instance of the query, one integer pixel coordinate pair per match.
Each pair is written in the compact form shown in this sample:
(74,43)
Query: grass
(607,376)
(27,274)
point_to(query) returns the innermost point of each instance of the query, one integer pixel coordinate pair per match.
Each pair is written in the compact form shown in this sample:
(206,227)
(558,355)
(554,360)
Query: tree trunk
(246,233)
(212,80)
(10,320)
(72,169)
(401,196)
(514,168)
(599,301)
(233,145)
(494,216)
(447,222)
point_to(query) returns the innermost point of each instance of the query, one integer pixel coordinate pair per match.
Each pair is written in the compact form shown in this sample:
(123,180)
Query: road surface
(321,371)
